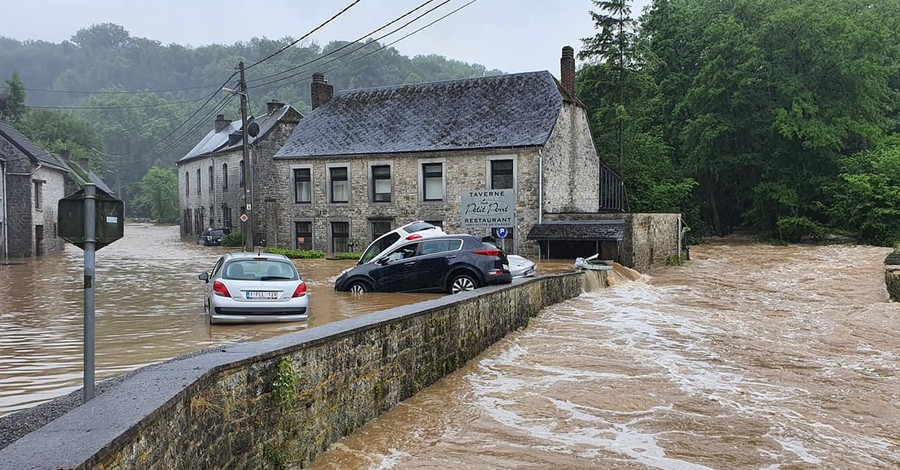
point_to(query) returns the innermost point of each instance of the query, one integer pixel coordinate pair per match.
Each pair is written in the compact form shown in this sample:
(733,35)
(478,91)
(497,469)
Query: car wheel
(359,287)
(462,283)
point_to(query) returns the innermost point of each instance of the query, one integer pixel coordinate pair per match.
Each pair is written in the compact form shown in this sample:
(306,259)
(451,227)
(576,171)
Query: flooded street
(750,356)
(149,308)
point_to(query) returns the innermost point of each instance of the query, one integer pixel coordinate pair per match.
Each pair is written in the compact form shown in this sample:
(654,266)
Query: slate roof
(230,138)
(606,230)
(503,111)
(26,146)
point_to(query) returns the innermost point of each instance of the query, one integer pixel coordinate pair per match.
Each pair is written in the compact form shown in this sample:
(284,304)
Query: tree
(57,131)
(12,101)
(159,194)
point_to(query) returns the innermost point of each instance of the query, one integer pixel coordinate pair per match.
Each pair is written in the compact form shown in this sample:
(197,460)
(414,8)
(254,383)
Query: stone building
(33,181)
(212,176)
(366,161)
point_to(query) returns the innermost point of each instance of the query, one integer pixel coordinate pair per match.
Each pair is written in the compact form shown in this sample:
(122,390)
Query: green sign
(109,223)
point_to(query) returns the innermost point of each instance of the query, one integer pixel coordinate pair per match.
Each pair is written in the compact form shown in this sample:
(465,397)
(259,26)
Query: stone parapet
(892,281)
(279,402)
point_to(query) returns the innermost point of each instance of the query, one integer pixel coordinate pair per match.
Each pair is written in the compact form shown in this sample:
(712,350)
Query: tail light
(487,252)
(220,289)
(300,291)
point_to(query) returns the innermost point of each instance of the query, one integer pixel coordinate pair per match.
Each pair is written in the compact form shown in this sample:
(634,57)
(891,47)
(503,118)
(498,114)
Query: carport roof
(607,230)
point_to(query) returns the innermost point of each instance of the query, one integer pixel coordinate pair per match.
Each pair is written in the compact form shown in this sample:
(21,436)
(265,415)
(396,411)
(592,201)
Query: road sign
(109,218)
(244,217)
(501,232)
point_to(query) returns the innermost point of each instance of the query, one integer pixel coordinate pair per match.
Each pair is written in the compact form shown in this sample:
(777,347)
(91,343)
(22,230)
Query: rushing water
(748,356)
(149,308)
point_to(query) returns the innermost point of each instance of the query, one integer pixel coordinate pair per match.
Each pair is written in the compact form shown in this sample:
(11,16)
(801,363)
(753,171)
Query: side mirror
(204,277)
(382,261)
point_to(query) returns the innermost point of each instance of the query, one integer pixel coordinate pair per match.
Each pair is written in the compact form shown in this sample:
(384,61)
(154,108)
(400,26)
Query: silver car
(255,288)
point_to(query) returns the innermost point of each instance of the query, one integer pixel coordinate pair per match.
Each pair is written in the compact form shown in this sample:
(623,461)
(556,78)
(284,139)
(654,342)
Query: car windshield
(378,246)
(260,269)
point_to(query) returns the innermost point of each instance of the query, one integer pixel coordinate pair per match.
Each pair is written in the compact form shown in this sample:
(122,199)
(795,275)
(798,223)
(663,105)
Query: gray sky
(510,35)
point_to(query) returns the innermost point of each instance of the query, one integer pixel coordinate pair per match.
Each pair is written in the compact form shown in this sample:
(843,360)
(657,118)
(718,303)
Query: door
(399,272)
(38,240)
(437,257)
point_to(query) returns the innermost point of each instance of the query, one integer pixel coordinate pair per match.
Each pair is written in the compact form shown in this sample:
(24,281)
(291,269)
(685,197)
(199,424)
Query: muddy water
(149,308)
(750,356)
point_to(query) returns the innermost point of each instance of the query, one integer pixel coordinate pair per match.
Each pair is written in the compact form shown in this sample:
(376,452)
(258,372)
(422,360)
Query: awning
(602,230)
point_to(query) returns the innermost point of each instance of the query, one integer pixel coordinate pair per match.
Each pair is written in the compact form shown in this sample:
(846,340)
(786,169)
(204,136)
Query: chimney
(221,123)
(273,106)
(567,69)
(321,90)
(86,165)
(64,154)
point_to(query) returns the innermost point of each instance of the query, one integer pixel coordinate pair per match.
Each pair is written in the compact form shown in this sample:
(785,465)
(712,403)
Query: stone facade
(211,190)
(560,177)
(32,190)
(892,281)
(277,403)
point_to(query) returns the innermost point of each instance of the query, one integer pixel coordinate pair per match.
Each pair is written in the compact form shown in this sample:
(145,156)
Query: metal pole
(248,185)
(90,210)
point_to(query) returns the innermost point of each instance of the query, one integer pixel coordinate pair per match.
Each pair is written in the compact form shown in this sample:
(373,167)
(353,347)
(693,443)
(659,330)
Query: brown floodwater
(749,356)
(149,308)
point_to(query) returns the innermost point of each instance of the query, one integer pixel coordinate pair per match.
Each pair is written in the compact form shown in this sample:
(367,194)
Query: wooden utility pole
(248,165)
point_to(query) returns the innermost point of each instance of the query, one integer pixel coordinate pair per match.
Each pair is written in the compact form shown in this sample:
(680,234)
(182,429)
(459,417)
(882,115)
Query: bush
(296,254)
(347,255)
(233,239)
(795,229)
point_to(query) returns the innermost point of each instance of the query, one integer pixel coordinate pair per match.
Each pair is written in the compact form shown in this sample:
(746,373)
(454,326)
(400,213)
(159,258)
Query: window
(433,181)
(302,185)
(501,174)
(439,246)
(210,178)
(226,217)
(379,228)
(241,175)
(340,184)
(381,183)
(198,181)
(38,195)
(303,235)
(187,183)
(340,236)
(224,176)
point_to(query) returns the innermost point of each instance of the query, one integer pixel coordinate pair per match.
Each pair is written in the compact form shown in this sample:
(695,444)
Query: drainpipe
(540,184)
(5,219)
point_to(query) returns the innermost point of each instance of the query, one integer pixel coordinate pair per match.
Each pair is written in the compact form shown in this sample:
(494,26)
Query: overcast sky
(510,35)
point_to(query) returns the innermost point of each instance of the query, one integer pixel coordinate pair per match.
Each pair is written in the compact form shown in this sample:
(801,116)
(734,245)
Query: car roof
(254,255)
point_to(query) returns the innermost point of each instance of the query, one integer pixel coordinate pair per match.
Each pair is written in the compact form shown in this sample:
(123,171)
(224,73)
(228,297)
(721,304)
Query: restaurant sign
(488,208)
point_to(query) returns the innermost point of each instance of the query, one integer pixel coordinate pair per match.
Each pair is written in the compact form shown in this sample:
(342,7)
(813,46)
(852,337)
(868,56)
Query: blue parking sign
(501,232)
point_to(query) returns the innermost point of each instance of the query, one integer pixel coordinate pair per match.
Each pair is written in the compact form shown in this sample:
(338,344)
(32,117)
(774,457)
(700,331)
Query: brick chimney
(273,106)
(567,69)
(64,154)
(321,91)
(221,123)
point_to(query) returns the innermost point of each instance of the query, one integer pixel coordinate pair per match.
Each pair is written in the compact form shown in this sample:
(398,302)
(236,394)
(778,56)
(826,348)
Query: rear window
(418,227)
(260,269)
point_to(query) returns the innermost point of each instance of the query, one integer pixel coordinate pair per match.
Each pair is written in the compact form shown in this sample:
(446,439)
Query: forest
(778,117)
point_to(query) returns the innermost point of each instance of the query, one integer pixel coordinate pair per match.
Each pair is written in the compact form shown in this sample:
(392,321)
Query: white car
(520,267)
(255,288)
(398,236)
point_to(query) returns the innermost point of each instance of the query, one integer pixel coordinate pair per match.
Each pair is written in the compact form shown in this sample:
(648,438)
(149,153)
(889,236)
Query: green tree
(57,131)
(12,100)
(159,194)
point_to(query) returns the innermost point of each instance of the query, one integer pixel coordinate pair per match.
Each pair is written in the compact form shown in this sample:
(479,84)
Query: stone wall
(279,402)
(892,281)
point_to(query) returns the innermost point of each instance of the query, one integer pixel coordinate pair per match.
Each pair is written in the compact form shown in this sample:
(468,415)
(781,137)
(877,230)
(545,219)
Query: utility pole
(248,165)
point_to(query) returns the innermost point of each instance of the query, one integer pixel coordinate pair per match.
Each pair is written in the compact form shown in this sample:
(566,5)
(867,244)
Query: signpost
(488,208)
(90,219)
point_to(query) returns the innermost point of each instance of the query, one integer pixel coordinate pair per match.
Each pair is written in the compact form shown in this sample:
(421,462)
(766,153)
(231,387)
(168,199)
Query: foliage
(56,131)
(12,100)
(347,255)
(795,229)
(285,382)
(296,254)
(235,238)
(159,194)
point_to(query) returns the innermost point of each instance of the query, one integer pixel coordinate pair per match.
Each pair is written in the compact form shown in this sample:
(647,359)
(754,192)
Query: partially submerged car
(438,263)
(212,236)
(520,266)
(255,288)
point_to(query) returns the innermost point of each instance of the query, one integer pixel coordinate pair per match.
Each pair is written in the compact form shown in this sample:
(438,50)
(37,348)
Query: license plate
(253,294)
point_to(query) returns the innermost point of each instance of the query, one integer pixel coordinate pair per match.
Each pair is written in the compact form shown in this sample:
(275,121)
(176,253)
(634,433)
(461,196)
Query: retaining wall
(279,402)
(892,281)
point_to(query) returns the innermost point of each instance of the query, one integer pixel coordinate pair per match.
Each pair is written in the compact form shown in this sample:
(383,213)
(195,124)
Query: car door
(397,270)
(435,260)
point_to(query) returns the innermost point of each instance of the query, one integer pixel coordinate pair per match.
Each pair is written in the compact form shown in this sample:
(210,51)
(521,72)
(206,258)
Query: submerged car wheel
(359,287)
(462,283)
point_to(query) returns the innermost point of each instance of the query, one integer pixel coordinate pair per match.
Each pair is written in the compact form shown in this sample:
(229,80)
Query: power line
(346,45)
(304,36)
(108,108)
(117,92)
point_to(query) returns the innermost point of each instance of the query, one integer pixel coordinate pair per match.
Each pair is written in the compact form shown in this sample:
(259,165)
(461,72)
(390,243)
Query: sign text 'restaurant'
(488,208)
